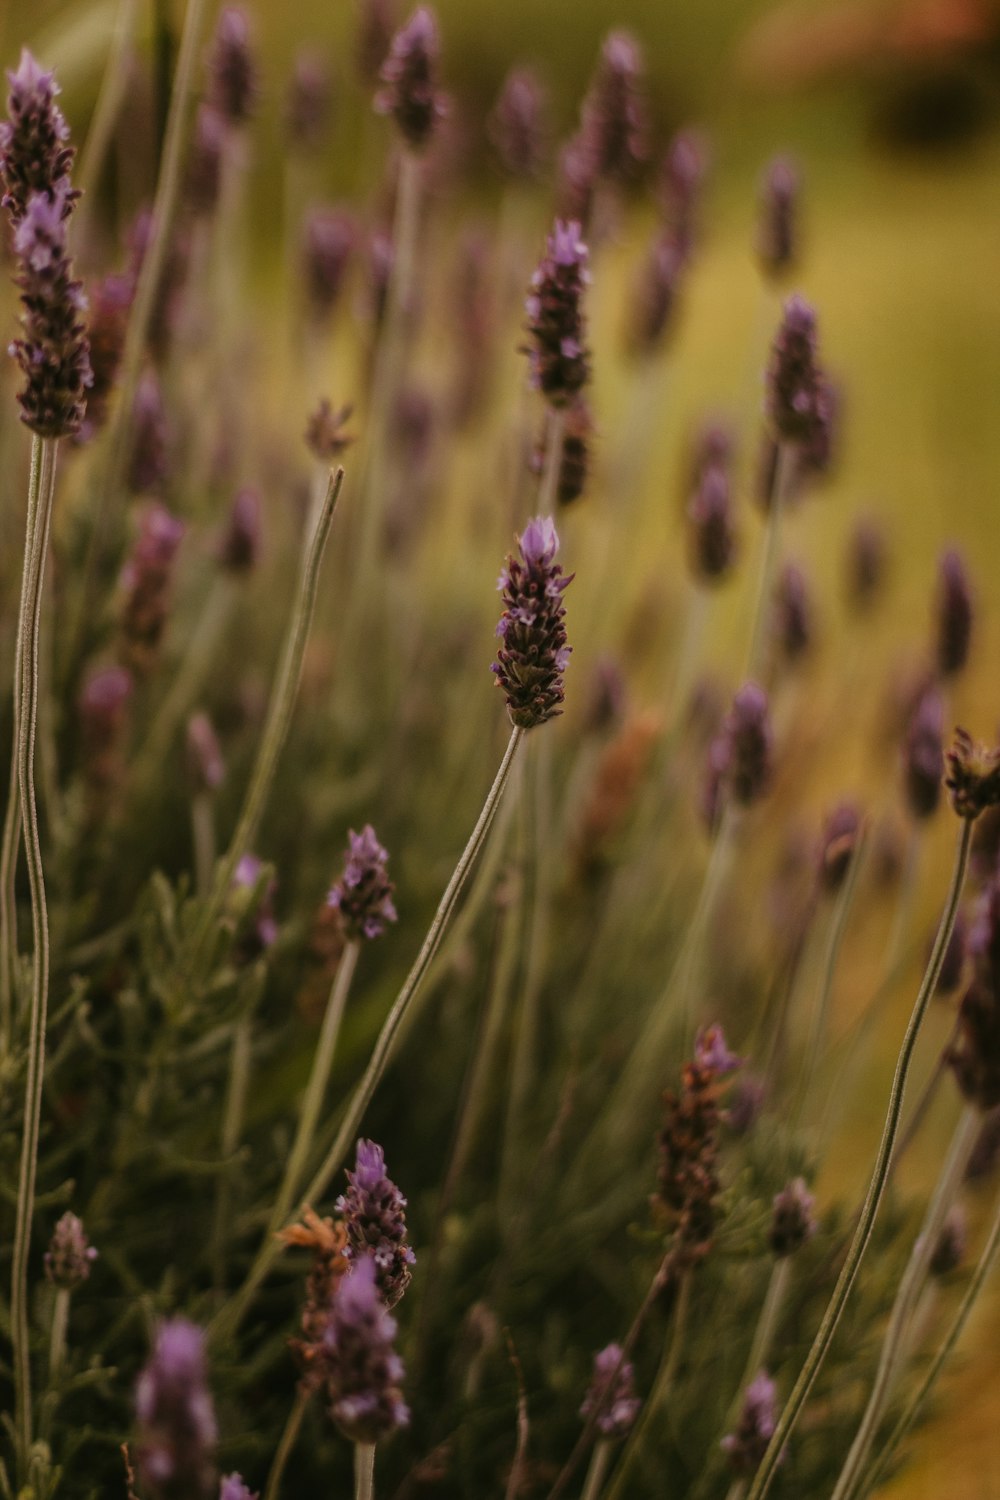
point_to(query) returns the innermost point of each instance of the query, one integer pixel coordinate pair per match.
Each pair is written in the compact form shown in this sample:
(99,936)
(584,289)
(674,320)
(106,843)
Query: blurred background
(892,110)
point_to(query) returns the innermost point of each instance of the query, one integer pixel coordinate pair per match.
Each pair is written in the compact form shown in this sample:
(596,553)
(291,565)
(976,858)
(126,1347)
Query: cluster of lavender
(173,1037)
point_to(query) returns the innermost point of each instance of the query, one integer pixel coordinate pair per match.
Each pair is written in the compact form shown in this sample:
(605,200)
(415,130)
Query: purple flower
(923,755)
(110,301)
(972,776)
(410,75)
(203,178)
(741,754)
(954,614)
(712,1054)
(615,124)
(232,1487)
(148,466)
(362,1371)
(682,180)
(975,1058)
(574,459)
(710,514)
(558,357)
(375,26)
(747,1445)
(146,584)
(865,563)
(793,1219)
(103,708)
(205,767)
(69,1256)
(239,545)
(263,929)
(517,124)
(777,229)
(655,303)
(176,1418)
(372,1209)
(307,105)
(533,653)
(841,832)
(232,70)
(795,383)
(793,613)
(953,1240)
(53,354)
(612,1394)
(35,155)
(363,894)
(329,238)
(324,435)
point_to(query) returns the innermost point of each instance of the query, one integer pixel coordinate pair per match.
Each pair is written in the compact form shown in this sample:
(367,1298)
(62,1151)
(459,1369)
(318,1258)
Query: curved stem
(912,1281)
(907,1417)
(599,1461)
(287,1443)
(228,1319)
(279,717)
(32,587)
(770,1311)
(319,1077)
(12,816)
(866,1222)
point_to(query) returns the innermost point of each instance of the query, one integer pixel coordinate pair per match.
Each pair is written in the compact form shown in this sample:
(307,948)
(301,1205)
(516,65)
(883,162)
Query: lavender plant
(218,1023)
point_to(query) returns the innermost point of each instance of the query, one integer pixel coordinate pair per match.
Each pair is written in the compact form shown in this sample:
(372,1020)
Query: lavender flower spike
(612,1394)
(69,1256)
(793,1219)
(232,68)
(533,653)
(363,894)
(232,1487)
(372,1209)
(517,124)
(746,1446)
(362,1371)
(796,388)
(559,358)
(615,124)
(409,73)
(34,152)
(54,355)
(954,614)
(778,229)
(177,1431)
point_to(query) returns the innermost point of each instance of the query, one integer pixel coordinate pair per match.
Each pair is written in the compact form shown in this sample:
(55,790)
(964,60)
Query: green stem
(364,1471)
(57,1335)
(907,1417)
(12,818)
(32,588)
(112,91)
(319,1077)
(903,1307)
(866,1222)
(228,1319)
(767,1322)
(769,563)
(240,1058)
(287,1443)
(203,839)
(599,1461)
(278,720)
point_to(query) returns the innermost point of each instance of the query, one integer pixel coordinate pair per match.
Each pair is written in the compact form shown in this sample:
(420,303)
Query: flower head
(972,775)
(410,75)
(35,154)
(262,931)
(361,1369)
(954,614)
(841,833)
(796,388)
(517,124)
(923,757)
(655,303)
(329,238)
(110,301)
(69,1256)
(232,68)
(363,894)
(325,436)
(53,353)
(975,1057)
(146,584)
(307,104)
(952,1244)
(793,1219)
(177,1431)
(711,534)
(533,653)
(778,228)
(682,180)
(202,754)
(865,563)
(373,1212)
(559,361)
(747,1445)
(238,547)
(232,1487)
(611,1394)
(740,757)
(615,123)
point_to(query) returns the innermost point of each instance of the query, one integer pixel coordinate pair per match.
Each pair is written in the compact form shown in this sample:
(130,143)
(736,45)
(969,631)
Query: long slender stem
(287,1443)
(279,715)
(240,1058)
(769,562)
(31,616)
(774,1297)
(866,1222)
(599,1461)
(228,1319)
(907,1417)
(319,1077)
(112,91)
(364,1471)
(12,816)
(913,1279)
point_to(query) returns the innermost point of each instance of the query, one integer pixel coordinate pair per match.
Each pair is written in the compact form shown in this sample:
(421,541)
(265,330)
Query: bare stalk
(866,1222)
(364,1471)
(287,1443)
(32,588)
(769,561)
